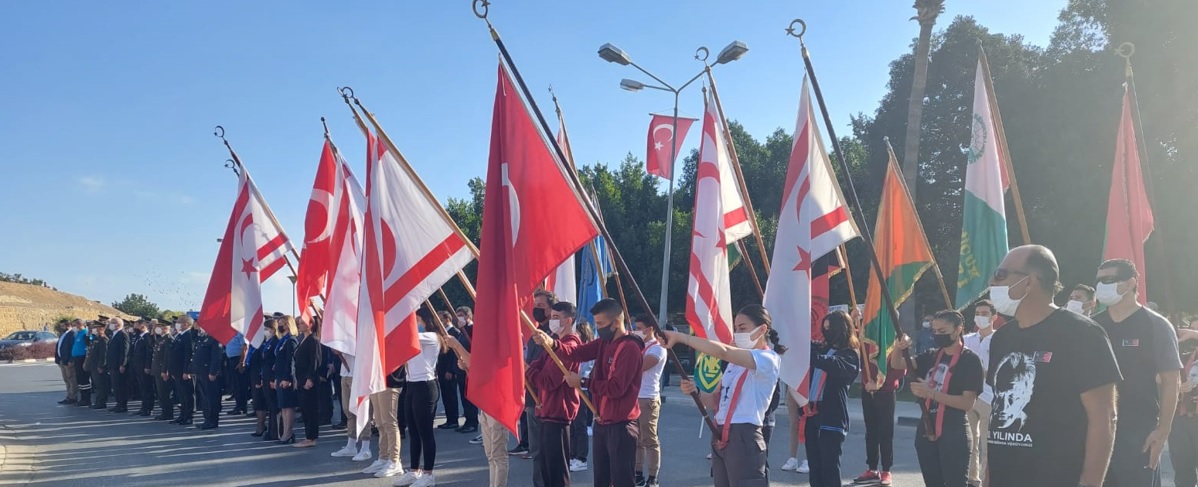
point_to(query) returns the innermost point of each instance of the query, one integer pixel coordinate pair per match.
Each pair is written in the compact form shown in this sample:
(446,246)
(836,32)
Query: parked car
(27,338)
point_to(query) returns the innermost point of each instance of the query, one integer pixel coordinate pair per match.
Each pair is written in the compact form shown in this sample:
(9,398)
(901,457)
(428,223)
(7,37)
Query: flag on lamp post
(661,134)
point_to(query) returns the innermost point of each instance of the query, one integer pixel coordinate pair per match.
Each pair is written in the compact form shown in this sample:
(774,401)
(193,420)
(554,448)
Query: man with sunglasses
(1146,347)
(1053,374)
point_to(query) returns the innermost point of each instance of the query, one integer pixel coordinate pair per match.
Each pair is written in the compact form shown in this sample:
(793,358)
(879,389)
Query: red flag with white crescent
(658,161)
(319,223)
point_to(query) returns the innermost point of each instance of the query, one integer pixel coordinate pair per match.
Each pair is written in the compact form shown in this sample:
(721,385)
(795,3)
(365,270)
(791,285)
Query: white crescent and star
(325,199)
(657,142)
(513,202)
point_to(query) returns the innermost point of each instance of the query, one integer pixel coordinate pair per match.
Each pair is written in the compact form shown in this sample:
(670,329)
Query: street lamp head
(613,54)
(631,85)
(732,52)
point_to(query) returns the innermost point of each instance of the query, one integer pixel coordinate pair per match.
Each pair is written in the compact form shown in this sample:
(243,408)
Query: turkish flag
(661,132)
(253,249)
(318,228)
(1129,219)
(532,221)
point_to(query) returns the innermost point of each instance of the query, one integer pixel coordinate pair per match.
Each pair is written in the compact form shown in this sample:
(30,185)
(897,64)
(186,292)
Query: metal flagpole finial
(481,9)
(1126,51)
(701,54)
(791,31)
(220,133)
(231,164)
(326,127)
(346,93)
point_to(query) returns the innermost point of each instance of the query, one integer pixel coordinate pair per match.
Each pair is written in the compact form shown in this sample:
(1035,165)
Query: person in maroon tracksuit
(559,401)
(615,384)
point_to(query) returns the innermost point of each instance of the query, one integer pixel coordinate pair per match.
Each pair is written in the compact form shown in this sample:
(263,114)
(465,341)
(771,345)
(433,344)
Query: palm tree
(926,13)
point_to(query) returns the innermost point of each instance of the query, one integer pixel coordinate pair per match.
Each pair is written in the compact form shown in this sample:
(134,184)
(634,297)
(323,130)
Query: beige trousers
(351,419)
(495,446)
(648,448)
(68,378)
(383,405)
(979,430)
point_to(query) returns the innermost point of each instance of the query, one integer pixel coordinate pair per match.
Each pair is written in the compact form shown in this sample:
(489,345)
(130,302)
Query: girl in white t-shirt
(420,404)
(738,453)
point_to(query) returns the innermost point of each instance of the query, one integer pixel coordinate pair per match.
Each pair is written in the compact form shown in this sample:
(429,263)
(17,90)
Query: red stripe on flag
(735,217)
(707,297)
(424,268)
(828,222)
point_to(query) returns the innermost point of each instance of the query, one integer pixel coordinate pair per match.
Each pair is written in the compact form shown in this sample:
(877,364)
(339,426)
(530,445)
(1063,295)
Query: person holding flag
(739,454)
(949,378)
(558,401)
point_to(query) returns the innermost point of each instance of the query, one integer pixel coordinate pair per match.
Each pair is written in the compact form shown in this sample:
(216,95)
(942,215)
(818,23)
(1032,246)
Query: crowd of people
(1019,393)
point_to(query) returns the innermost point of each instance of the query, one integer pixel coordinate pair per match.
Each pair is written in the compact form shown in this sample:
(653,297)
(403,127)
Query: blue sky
(115,182)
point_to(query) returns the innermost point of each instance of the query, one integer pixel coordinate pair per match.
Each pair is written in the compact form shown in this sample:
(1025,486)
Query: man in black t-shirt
(1053,374)
(1146,347)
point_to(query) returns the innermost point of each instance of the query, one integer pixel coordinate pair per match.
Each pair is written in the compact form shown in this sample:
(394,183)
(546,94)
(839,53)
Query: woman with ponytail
(834,367)
(746,389)
(948,379)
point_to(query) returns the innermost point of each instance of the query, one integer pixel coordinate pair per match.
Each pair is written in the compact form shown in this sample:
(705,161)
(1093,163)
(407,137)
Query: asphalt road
(45,444)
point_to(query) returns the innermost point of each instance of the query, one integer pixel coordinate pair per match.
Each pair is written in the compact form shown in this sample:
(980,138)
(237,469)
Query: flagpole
(607,248)
(740,178)
(481,10)
(1002,147)
(407,168)
(842,254)
(893,166)
(1125,51)
(220,133)
(865,232)
(740,246)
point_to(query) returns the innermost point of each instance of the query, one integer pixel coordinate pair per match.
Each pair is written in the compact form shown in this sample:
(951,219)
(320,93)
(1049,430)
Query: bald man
(1053,375)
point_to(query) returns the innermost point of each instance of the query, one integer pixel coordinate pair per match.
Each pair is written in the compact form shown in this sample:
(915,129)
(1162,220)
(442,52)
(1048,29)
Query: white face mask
(179,328)
(1075,306)
(461,321)
(1108,294)
(112,326)
(555,326)
(640,334)
(982,321)
(927,324)
(744,340)
(160,331)
(1003,302)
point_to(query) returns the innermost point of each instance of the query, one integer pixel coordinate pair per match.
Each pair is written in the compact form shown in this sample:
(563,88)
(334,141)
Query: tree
(926,13)
(137,305)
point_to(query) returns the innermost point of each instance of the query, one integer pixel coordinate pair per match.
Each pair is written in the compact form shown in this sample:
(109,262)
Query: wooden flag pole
(740,180)
(842,254)
(481,8)
(407,168)
(856,204)
(607,247)
(948,302)
(740,246)
(1003,149)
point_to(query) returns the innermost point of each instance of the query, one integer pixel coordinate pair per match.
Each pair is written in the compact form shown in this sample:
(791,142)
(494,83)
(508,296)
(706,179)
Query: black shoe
(289,441)
(119,410)
(185,422)
(65,401)
(518,450)
(100,406)
(251,414)
(449,426)
(257,434)
(163,418)
(208,427)
(145,414)
(270,437)
(339,426)
(234,412)
(468,429)
(84,404)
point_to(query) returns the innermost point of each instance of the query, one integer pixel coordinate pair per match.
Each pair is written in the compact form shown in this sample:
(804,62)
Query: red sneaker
(868,477)
(885,478)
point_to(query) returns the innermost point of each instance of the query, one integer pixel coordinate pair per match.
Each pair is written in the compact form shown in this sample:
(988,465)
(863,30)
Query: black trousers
(420,404)
(148,390)
(336,382)
(120,386)
(469,410)
(185,393)
(449,398)
(238,382)
(615,454)
(211,397)
(1129,461)
(101,386)
(1183,451)
(555,453)
(878,408)
(165,400)
(523,428)
(83,378)
(580,443)
(272,415)
(944,462)
(823,454)
(324,402)
(309,406)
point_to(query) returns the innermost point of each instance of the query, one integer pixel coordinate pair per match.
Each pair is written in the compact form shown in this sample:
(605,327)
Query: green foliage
(20,279)
(137,305)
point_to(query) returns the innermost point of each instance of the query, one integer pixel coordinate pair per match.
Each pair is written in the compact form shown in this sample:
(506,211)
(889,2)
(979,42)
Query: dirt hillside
(28,307)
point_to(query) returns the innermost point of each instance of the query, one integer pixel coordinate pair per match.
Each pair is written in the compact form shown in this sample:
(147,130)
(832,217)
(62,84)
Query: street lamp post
(612,54)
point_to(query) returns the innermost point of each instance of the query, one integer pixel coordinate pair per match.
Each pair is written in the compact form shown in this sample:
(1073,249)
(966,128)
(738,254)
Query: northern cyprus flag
(984,230)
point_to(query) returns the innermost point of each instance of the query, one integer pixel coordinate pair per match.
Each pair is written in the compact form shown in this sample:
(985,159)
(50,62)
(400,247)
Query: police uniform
(97,352)
(159,359)
(206,364)
(139,362)
(180,365)
(117,365)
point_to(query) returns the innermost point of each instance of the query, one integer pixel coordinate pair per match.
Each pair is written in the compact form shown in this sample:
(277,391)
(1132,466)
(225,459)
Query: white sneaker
(376,466)
(709,456)
(791,464)
(393,469)
(407,479)
(363,455)
(577,465)
(478,440)
(426,480)
(347,451)
(803,468)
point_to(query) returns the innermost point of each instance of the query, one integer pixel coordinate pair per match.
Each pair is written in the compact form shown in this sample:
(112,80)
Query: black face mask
(834,336)
(943,340)
(608,333)
(538,315)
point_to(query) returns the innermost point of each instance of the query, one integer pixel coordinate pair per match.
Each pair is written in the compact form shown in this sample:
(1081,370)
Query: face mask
(834,336)
(1108,294)
(461,321)
(943,340)
(1003,302)
(607,333)
(179,328)
(160,331)
(639,334)
(744,340)
(1075,306)
(982,321)
(111,326)
(555,326)
(927,324)
(538,315)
